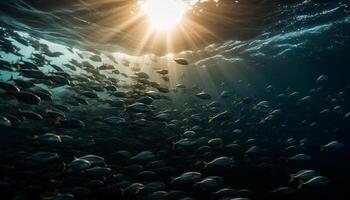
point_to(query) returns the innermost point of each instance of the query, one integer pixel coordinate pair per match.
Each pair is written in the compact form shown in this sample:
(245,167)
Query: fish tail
(301,184)
(9,94)
(205,165)
(64,166)
(172,179)
(291,178)
(122,191)
(56,121)
(322,148)
(205,107)
(11,78)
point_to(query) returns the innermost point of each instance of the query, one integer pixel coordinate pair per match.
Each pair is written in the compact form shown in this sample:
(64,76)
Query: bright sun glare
(164,14)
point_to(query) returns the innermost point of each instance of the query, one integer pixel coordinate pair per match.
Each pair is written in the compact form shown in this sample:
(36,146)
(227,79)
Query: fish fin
(322,148)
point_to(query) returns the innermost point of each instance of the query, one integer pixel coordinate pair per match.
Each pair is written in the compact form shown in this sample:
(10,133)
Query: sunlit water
(302,40)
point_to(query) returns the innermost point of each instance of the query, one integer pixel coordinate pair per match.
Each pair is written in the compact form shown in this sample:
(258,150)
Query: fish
(163,71)
(318,181)
(116,121)
(187,177)
(181,61)
(5,122)
(221,162)
(221,117)
(139,107)
(203,95)
(9,88)
(27,97)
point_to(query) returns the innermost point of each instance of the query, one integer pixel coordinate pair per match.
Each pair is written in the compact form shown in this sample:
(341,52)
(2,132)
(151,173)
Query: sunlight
(164,14)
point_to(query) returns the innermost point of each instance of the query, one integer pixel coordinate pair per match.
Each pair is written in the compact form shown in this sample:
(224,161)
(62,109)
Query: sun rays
(159,26)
